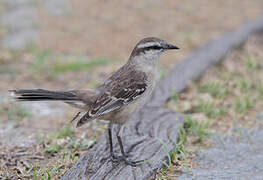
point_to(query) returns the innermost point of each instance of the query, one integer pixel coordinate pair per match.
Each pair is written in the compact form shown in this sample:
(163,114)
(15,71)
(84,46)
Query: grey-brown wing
(112,101)
(122,87)
(123,96)
(119,92)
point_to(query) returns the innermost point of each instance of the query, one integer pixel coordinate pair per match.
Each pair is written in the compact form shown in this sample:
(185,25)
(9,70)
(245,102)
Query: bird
(118,97)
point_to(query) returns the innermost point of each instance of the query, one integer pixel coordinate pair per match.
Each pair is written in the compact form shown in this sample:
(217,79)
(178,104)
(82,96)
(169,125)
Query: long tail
(81,99)
(44,95)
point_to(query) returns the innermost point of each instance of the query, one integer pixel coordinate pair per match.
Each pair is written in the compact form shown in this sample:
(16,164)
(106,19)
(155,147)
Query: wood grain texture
(153,131)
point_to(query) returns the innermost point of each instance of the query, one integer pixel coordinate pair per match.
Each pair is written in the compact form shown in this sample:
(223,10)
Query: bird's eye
(152,48)
(156,47)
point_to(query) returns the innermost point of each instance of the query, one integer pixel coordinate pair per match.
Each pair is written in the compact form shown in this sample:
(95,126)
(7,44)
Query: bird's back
(120,90)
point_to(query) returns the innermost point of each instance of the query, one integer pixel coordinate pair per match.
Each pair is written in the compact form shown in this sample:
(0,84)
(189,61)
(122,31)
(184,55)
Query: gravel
(230,158)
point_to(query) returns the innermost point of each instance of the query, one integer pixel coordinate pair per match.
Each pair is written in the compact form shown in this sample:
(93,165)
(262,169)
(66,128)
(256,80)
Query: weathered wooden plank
(141,142)
(153,123)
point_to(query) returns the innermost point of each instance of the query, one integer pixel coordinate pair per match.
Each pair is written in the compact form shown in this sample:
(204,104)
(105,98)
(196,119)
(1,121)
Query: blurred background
(47,43)
(66,44)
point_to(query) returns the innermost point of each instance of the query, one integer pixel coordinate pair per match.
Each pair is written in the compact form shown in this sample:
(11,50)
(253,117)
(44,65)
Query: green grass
(17,113)
(182,135)
(52,148)
(65,160)
(180,151)
(62,133)
(242,104)
(260,89)
(63,146)
(181,140)
(244,85)
(65,139)
(198,129)
(175,95)
(80,65)
(40,58)
(65,132)
(51,140)
(215,89)
(251,63)
(209,109)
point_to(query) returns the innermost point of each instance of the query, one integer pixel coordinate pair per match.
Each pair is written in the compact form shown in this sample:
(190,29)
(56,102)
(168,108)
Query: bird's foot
(116,158)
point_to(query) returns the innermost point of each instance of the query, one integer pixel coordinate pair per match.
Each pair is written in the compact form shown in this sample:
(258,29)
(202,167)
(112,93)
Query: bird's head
(148,50)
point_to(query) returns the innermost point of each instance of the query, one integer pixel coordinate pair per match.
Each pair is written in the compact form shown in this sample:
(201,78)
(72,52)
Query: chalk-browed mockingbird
(124,92)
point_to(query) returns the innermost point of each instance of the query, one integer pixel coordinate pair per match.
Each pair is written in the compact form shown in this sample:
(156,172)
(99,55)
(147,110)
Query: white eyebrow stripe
(148,44)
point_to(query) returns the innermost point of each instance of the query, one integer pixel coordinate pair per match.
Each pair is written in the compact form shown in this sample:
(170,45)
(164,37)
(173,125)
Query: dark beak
(170,46)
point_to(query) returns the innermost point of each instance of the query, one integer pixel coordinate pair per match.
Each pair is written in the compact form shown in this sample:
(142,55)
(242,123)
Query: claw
(124,156)
(116,158)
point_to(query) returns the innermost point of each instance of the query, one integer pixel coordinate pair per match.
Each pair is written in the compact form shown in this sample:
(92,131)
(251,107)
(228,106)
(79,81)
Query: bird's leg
(124,156)
(118,135)
(110,141)
(113,156)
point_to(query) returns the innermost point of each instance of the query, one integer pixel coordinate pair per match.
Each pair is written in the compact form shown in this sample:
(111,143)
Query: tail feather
(81,99)
(44,95)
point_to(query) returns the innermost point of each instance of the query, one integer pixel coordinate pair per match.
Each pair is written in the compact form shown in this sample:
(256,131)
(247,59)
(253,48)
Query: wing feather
(119,90)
